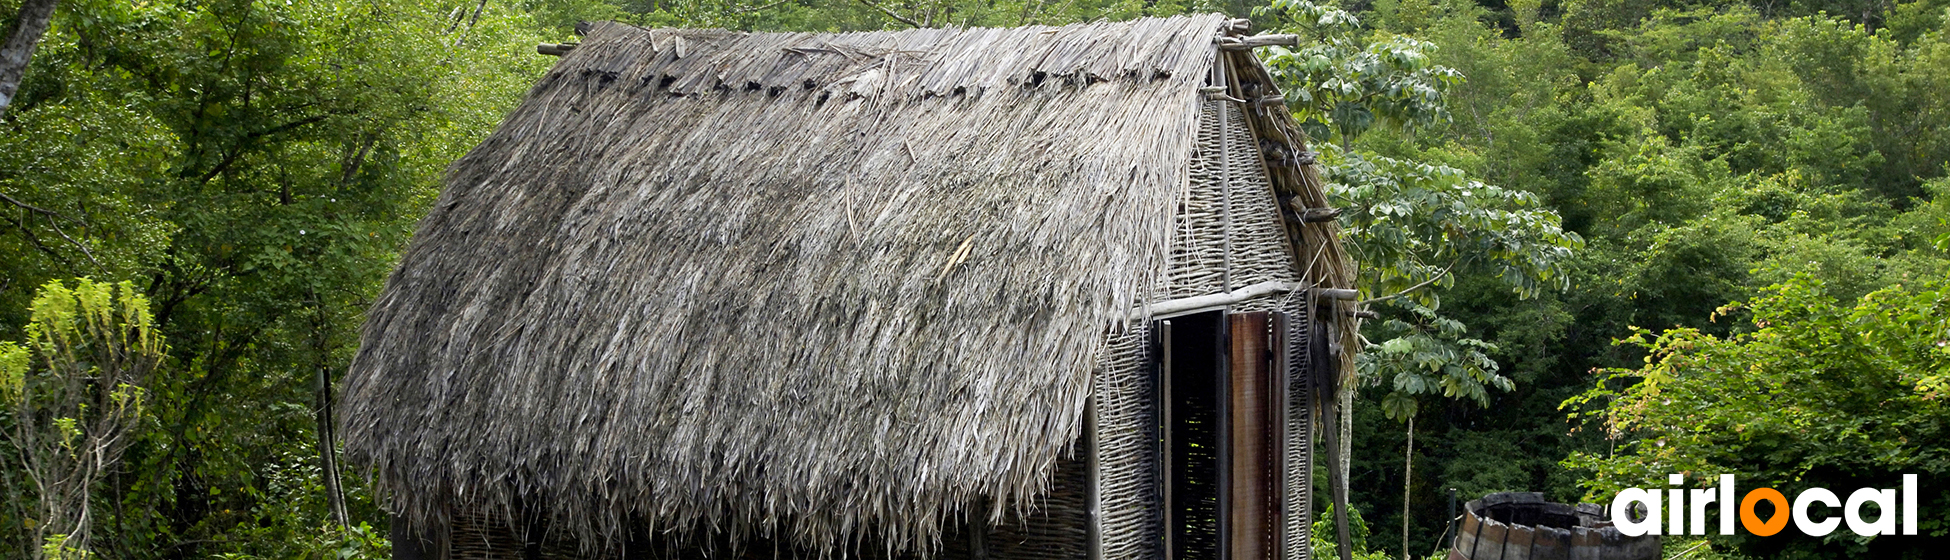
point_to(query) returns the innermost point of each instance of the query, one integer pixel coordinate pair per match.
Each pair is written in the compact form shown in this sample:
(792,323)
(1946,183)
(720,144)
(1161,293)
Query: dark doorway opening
(1222,401)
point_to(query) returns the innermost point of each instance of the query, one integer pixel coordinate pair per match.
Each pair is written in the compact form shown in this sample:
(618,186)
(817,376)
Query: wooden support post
(1344,294)
(1166,422)
(1280,387)
(1256,41)
(1094,532)
(1316,215)
(1222,384)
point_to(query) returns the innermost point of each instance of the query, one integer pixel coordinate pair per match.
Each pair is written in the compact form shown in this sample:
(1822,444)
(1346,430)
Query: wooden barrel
(1522,526)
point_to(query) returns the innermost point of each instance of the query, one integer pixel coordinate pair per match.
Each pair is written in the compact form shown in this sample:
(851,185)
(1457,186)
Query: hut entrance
(1222,421)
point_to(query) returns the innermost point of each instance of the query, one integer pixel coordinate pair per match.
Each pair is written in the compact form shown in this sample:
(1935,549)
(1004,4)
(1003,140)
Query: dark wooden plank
(1489,540)
(1517,542)
(1222,397)
(1552,544)
(1250,510)
(1466,534)
(1093,502)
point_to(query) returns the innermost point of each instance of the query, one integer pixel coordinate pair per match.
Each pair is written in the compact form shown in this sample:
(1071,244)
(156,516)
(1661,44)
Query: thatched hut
(1048,292)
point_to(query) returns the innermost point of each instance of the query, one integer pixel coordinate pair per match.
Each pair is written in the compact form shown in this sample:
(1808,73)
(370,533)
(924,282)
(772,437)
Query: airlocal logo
(1629,499)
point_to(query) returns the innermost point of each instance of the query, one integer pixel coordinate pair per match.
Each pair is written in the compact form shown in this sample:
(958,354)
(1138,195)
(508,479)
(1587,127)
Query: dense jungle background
(1606,239)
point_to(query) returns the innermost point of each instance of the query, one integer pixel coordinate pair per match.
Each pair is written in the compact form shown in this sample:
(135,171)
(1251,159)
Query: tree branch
(36,241)
(231,157)
(476,18)
(759,8)
(891,14)
(77,244)
(1029,8)
(1424,284)
(17,202)
(51,217)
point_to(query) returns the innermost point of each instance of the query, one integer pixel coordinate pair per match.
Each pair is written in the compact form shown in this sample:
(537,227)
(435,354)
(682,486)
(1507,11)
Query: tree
(253,167)
(77,395)
(1341,84)
(1410,225)
(1823,392)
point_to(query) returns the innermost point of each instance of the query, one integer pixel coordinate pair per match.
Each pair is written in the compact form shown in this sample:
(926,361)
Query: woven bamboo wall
(486,535)
(1299,432)
(1216,251)
(1225,239)
(1127,438)
(1057,529)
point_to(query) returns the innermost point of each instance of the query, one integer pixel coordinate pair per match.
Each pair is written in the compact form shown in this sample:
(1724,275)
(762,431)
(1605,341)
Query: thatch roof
(802,284)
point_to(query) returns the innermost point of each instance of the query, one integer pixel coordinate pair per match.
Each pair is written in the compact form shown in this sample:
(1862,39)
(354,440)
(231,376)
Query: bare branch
(759,8)
(52,216)
(470,23)
(1028,9)
(77,244)
(36,241)
(231,156)
(892,14)
(17,202)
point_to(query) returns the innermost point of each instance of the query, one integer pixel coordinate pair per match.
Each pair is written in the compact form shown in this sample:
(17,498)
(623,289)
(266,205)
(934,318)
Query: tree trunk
(322,411)
(1344,461)
(1346,442)
(327,450)
(1337,482)
(1408,469)
(25,32)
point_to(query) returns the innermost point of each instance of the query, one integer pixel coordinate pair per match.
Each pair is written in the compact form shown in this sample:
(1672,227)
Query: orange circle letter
(1752,522)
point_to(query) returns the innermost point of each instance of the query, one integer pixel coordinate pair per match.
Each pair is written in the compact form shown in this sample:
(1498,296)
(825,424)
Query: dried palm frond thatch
(799,285)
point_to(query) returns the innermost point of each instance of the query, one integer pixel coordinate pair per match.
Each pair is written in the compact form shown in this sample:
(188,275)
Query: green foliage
(253,167)
(1409,222)
(357,542)
(1430,354)
(1339,85)
(56,547)
(1696,548)
(93,329)
(1820,394)
(1325,533)
(1702,151)
(1413,224)
(96,344)
(13,371)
